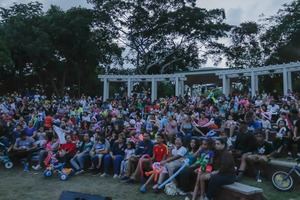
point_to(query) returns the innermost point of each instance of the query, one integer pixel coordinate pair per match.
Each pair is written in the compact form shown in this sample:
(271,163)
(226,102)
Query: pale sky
(237,11)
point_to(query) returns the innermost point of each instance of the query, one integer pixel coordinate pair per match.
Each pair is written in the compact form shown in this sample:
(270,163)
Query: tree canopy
(60,49)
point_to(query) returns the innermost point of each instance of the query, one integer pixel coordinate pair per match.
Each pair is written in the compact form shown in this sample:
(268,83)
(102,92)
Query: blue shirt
(144,147)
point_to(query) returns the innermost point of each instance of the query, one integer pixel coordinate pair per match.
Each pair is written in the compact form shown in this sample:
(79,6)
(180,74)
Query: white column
(105,89)
(256,82)
(177,86)
(225,85)
(290,79)
(182,87)
(153,90)
(285,81)
(253,83)
(129,88)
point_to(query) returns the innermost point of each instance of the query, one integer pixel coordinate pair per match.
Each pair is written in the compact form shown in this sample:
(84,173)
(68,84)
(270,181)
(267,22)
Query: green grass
(16,184)
(271,193)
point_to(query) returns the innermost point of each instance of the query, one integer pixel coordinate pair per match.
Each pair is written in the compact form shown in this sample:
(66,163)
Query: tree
(164,36)
(57,49)
(282,38)
(19,33)
(245,48)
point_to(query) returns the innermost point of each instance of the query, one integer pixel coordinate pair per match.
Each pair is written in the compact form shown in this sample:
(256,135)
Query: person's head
(18,127)
(121,139)
(101,139)
(23,135)
(204,144)
(220,144)
(249,117)
(86,137)
(30,124)
(243,127)
(68,139)
(160,139)
(281,124)
(97,138)
(41,129)
(193,144)
(130,145)
(229,117)
(202,115)
(146,136)
(259,137)
(97,130)
(178,142)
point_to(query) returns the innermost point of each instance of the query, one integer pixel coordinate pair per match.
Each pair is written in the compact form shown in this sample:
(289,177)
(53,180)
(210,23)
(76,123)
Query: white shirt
(273,109)
(179,152)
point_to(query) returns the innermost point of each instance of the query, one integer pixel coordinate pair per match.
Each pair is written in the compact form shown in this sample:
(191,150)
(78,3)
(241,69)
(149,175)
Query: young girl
(51,147)
(40,137)
(283,136)
(129,151)
(99,149)
(205,158)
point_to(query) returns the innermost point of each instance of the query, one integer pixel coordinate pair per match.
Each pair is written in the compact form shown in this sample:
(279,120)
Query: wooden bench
(239,191)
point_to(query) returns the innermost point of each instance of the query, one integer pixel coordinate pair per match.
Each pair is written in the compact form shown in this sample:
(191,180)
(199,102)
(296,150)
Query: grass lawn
(271,193)
(16,184)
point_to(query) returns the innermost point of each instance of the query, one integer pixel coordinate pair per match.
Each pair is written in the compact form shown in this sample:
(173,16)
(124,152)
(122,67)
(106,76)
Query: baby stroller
(55,167)
(4,157)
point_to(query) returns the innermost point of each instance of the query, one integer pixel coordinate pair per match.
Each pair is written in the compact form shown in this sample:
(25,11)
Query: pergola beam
(222,73)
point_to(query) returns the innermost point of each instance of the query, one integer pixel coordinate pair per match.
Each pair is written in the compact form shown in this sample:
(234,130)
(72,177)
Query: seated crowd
(136,140)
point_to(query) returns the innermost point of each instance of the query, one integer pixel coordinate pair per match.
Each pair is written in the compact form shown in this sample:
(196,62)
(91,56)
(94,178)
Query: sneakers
(115,176)
(104,175)
(180,192)
(79,172)
(26,167)
(37,167)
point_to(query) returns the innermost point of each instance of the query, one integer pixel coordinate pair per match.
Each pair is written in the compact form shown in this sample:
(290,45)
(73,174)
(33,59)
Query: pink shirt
(202,122)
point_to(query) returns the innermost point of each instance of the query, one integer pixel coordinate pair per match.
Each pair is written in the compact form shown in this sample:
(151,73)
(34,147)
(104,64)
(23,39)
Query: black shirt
(264,149)
(245,142)
(297,124)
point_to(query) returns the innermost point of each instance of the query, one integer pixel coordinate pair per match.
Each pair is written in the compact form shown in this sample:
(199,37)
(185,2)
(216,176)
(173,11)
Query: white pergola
(130,79)
(284,69)
(224,74)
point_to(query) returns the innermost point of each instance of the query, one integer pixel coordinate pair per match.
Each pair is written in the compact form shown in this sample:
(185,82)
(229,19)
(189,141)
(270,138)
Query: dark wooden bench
(240,191)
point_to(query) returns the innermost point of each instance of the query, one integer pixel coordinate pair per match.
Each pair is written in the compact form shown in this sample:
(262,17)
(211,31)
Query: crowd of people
(136,140)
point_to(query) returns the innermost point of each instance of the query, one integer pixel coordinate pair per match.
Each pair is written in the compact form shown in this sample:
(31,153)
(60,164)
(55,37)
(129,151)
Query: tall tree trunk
(79,83)
(53,83)
(63,84)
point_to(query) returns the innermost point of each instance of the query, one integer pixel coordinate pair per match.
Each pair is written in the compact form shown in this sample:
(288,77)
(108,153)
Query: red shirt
(159,152)
(48,121)
(69,147)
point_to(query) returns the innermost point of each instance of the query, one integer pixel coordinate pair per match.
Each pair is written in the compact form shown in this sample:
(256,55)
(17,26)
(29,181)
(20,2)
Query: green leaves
(163,36)
(281,39)
(56,45)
